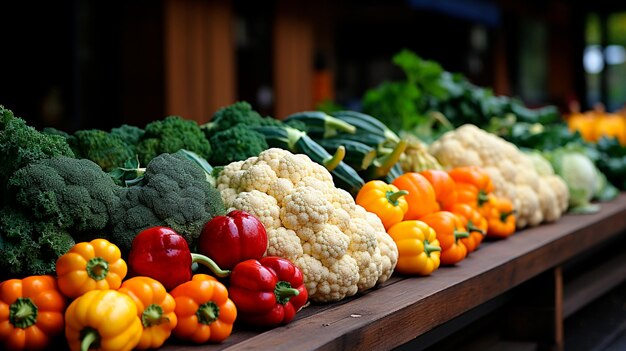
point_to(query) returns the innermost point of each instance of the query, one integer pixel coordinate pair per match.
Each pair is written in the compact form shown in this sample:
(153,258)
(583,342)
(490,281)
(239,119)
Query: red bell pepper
(267,292)
(162,254)
(233,238)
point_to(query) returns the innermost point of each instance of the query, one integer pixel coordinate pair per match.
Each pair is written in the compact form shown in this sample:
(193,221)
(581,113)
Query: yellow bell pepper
(105,320)
(94,265)
(418,247)
(385,200)
(155,307)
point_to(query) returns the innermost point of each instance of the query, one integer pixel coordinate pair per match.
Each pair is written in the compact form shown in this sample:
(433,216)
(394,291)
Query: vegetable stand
(420,310)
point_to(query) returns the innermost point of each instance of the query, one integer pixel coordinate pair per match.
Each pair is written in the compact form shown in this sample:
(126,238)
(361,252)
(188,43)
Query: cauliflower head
(340,248)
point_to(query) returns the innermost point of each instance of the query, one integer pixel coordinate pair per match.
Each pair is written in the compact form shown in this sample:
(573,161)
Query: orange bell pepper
(31,312)
(444,186)
(471,195)
(500,218)
(421,196)
(449,231)
(475,223)
(204,311)
(385,200)
(155,308)
(472,175)
(418,248)
(94,265)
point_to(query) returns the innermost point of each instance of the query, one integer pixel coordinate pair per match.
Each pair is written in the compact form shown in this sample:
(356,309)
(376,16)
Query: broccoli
(236,144)
(105,149)
(54,203)
(170,135)
(174,192)
(21,144)
(54,131)
(238,113)
(129,134)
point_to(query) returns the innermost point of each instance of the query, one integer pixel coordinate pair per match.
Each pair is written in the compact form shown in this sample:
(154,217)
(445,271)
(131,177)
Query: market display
(192,231)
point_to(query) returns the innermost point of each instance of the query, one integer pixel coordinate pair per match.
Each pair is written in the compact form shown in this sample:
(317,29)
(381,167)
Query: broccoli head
(105,149)
(174,192)
(21,144)
(170,135)
(236,144)
(72,194)
(29,246)
(129,134)
(238,113)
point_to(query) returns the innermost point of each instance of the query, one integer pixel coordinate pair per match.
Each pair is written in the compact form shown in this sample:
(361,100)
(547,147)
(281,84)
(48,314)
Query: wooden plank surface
(405,308)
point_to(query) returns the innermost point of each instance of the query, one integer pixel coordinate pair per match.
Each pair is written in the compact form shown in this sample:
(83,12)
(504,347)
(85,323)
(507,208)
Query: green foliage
(235,144)
(174,192)
(170,135)
(106,150)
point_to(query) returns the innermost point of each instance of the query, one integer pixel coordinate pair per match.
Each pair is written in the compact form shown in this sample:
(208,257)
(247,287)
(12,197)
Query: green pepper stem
(89,336)
(428,248)
(333,161)
(483,198)
(97,268)
(460,235)
(23,313)
(472,228)
(284,292)
(207,262)
(393,197)
(505,215)
(153,315)
(208,312)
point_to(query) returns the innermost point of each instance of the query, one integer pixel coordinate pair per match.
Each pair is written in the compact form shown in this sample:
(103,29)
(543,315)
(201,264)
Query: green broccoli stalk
(105,149)
(21,144)
(236,144)
(170,135)
(173,192)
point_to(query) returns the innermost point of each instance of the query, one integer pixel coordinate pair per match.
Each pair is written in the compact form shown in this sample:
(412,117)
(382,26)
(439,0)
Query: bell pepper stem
(209,263)
(23,313)
(153,315)
(284,292)
(97,268)
(393,197)
(428,248)
(89,336)
(505,215)
(208,312)
(483,198)
(472,228)
(460,235)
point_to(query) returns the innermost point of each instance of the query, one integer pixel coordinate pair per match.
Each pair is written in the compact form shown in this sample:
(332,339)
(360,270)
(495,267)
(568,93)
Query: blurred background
(97,64)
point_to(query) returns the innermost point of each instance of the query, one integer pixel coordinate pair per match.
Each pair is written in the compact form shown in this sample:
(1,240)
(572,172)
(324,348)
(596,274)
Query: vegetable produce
(358,155)
(596,124)
(235,144)
(170,135)
(239,113)
(500,218)
(366,124)
(105,149)
(511,171)
(129,134)
(155,308)
(418,248)
(450,231)
(444,186)
(175,193)
(233,238)
(32,313)
(474,222)
(340,247)
(163,254)
(416,157)
(385,200)
(204,311)
(94,265)
(318,124)
(102,319)
(421,197)
(267,292)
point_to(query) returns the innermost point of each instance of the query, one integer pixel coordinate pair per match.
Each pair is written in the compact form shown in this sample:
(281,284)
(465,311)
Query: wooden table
(406,309)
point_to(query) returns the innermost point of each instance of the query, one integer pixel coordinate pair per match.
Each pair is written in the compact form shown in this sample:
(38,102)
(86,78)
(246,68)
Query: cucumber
(358,155)
(296,141)
(366,123)
(321,125)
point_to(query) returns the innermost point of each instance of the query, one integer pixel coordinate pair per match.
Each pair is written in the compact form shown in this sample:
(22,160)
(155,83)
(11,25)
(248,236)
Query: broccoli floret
(129,134)
(72,194)
(54,131)
(238,113)
(105,149)
(170,135)
(236,144)
(28,246)
(174,192)
(21,144)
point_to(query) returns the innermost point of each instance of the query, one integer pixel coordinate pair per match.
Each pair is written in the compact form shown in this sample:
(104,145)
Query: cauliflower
(340,248)
(536,196)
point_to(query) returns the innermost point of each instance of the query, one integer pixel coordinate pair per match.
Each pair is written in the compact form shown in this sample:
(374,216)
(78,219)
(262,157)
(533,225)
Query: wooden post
(293,58)
(199,57)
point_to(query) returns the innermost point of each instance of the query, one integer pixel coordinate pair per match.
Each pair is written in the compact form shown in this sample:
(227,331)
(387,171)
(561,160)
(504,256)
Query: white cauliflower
(340,248)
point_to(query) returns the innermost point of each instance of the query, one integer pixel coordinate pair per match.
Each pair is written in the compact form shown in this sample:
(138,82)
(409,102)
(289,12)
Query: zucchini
(321,125)
(296,141)
(358,155)
(366,123)
(383,165)
(375,141)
